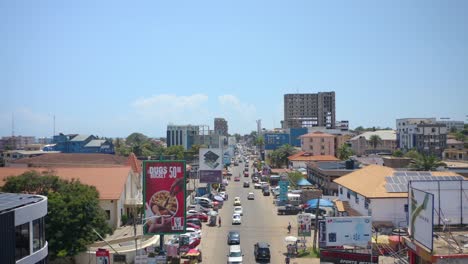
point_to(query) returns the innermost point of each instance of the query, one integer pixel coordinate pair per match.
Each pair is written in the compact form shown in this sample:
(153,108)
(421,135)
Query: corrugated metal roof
(383,134)
(80,138)
(95,143)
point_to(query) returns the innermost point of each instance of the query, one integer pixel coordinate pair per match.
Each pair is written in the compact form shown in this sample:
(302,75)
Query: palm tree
(375,140)
(344,152)
(426,163)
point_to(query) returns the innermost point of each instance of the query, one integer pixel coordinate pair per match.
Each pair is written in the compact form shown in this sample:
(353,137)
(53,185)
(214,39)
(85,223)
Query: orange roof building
(318,143)
(302,158)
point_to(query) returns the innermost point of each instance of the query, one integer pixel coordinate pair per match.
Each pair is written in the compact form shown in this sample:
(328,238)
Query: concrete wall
(314,145)
(390,209)
(111,205)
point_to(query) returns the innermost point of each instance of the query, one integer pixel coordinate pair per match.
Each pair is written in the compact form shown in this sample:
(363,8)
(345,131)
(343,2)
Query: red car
(246,174)
(236,178)
(202,217)
(193,225)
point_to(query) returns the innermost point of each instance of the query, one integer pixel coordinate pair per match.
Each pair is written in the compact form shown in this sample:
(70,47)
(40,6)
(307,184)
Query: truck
(289,210)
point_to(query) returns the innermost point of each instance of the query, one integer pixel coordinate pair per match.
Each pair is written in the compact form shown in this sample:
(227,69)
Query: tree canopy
(73,211)
(344,152)
(375,140)
(426,163)
(279,157)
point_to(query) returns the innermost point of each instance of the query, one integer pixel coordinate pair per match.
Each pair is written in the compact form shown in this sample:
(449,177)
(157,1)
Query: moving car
(233,238)
(262,251)
(237,178)
(266,192)
(237,201)
(235,255)
(236,219)
(238,210)
(246,184)
(257,186)
(250,196)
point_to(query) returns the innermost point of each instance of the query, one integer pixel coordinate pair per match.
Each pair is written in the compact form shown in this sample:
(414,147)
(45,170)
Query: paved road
(259,223)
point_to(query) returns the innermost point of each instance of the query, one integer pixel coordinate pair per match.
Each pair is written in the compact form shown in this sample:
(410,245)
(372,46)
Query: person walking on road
(289,228)
(219,221)
(287,259)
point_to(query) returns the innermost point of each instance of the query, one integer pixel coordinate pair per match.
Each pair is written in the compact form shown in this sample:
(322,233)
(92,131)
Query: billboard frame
(338,235)
(413,219)
(182,162)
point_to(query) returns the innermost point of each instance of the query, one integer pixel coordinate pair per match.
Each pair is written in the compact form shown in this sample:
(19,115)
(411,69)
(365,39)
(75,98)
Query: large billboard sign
(283,194)
(164,197)
(304,223)
(211,176)
(210,159)
(421,216)
(351,231)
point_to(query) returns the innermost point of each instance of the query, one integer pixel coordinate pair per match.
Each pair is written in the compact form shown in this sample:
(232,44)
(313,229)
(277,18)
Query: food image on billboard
(421,217)
(351,231)
(210,159)
(164,197)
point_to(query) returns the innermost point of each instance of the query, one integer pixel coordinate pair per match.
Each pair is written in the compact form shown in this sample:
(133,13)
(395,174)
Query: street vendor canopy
(323,203)
(303,182)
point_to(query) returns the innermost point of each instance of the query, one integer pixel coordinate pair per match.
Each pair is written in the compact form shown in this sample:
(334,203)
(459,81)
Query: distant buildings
(181,135)
(22,228)
(342,125)
(361,144)
(423,134)
(323,173)
(309,110)
(221,126)
(455,150)
(318,143)
(451,124)
(16,142)
(78,143)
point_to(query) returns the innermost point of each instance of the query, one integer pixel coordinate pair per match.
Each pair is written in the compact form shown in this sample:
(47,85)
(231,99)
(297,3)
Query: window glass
(38,234)
(22,241)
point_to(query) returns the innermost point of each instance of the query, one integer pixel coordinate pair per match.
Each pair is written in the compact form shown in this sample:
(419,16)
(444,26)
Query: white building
(182,135)
(369,192)
(424,134)
(458,125)
(22,228)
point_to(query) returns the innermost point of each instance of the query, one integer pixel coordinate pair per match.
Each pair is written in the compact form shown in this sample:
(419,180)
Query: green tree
(176,151)
(279,157)
(426,163)
(121,148)
(73,211)
(460,136)
(397,153)
(294,177)
(412,154)
(344,152)
(259,142)
(136,141)
(359,129)
(375,140)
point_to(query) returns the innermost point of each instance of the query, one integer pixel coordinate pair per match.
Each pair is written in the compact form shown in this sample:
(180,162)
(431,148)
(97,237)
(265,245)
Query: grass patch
(308,253)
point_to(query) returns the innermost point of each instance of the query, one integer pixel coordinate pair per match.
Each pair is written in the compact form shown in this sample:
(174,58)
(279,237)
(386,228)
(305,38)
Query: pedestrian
(289,228)
(219,221)
(287,259)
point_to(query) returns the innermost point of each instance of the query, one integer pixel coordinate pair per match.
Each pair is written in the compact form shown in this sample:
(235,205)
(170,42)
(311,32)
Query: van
(294,199)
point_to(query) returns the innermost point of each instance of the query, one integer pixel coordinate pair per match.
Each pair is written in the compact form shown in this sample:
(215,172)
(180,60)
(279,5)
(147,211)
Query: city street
(259,223)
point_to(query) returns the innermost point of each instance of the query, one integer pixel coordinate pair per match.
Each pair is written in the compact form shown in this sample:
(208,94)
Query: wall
(314,145)
(389,209)
(110,205)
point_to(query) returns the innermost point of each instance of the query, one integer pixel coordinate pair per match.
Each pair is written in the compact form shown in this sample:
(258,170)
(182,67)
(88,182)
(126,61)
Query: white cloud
(172,108)
(240,116)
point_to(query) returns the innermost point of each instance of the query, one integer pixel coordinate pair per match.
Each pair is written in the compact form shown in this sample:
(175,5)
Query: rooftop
(95,143)
(317,134)
(109,181)
(10,201)
(383,134)
(304,156)
(73,160)
(80,137)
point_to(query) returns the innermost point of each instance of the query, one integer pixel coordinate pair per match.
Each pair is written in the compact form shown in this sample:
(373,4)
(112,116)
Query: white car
(223,195)
(257,186)
(250,196)
(236,219)
(195,233)
(237,201)
(235,255)
(238,210)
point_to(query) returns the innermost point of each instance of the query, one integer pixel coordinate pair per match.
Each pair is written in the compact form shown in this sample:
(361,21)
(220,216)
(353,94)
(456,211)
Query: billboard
(164,197)
(283,194)
(421,216)
(339,257)
(211,176)
(304,223)
(210,159)
(275,140)
(351,231)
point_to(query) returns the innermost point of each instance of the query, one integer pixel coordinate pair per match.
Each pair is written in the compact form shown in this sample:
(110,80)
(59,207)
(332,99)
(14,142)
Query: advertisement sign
(351,231)
(210,159)
(283,195)
(339,257)
(102,256)
(421,216)
(322,235)
(164,196)
(304,223)
(211,176)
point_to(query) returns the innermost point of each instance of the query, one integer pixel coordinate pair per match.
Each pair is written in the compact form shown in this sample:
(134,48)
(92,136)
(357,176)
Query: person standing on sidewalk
(219,221)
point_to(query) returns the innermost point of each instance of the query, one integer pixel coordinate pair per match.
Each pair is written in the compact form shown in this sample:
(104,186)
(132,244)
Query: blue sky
(110,68)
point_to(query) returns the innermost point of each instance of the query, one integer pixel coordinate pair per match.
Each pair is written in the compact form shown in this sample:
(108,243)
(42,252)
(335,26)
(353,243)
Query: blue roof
(303,182)
(322,203)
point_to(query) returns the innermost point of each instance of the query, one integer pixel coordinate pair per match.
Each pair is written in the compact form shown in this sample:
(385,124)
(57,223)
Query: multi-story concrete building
(342,125)
(424,134)
(221,126)
(22,228)
(361,145)
(309,110)
(16,142)
(455,150)
(318,143)
(183,135)
(452,124)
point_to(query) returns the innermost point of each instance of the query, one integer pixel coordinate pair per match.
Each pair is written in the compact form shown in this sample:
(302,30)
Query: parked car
(246,184)
(262,251)
(257,186)
(289,210)
(236,219)
(233,238)
(194,221)
(195,231)
(201,216)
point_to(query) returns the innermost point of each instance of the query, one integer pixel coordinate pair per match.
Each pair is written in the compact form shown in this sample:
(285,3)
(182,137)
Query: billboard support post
(317,215)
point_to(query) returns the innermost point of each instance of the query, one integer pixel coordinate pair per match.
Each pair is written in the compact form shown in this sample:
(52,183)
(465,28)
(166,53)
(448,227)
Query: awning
(303,182)
(322,203)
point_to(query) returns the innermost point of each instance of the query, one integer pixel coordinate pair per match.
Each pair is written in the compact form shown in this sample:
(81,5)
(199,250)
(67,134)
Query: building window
(341,190)
(108,214)
(356,199)
(348,195)
(38,234)
(22,241)
(366,203)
